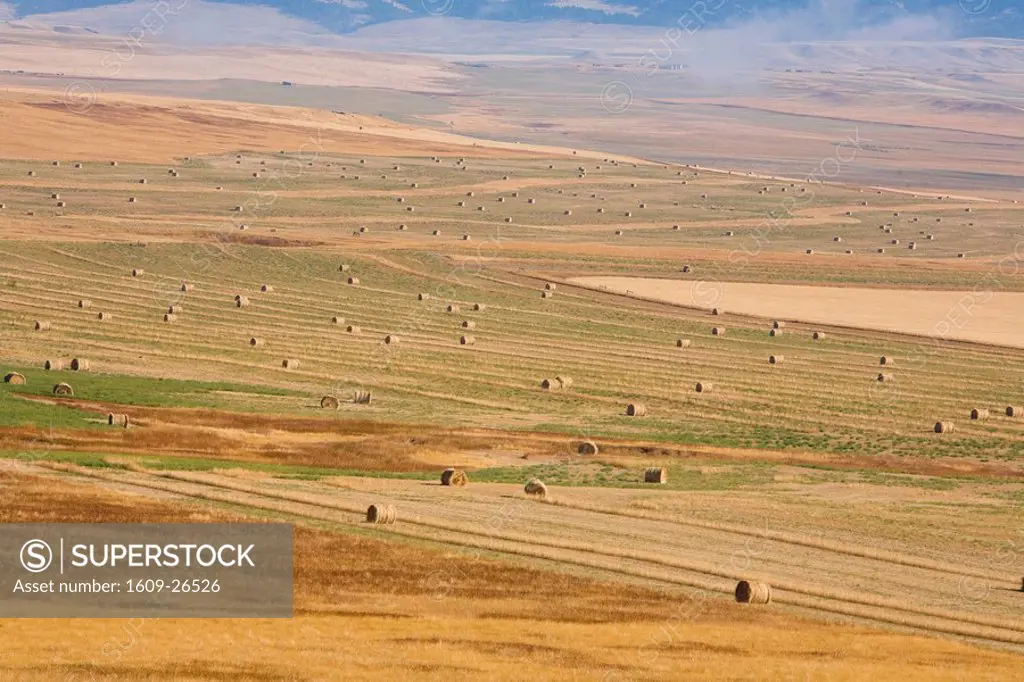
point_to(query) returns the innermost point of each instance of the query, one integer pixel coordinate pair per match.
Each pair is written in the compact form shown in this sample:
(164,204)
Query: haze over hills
(828,19)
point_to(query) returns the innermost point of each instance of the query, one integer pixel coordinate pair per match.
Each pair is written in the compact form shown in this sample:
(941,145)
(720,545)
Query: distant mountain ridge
(962,18)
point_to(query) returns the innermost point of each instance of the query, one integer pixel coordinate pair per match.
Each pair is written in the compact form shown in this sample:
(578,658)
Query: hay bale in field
(636,410)
(656,475)
(536,488)
(703,387)
(587,447)
(628,214)
(778,324)
(266,288)
(78,165)
(550,286)
(353,280)
(84,303)
(774,332)
(563,382)
(329,402)
(436,233)
(944,427)
(961,255)
(618,233)
(479,307)
(391,339)
(337,320)
(809,252)
(881,250)
(468,324)
(423,297)
(454,477)
(452,308)
(55,195)
(403,228)
(255,342)
(169,317)
(54,365)
(103,316)
(42,326)
(753,592)
(363,230)
(718,331)
(173,309)
(353,329)
(979,413)
(289,363)
(818,336)
(546,294)
(186,287)
(63,389)
(344,267)
(31,174)
(1014,411)
(79,365)
(362,397)
(114,419)
(686,268)
(381,514)
(683,343)
(567,212)
(14,378)
(466,340)
(716,311)
(466,237)
(883,377)
(885,360)
(531,201)
(241,302)
(776,359)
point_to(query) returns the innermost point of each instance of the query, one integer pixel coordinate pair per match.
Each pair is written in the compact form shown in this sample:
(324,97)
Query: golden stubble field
(809,473)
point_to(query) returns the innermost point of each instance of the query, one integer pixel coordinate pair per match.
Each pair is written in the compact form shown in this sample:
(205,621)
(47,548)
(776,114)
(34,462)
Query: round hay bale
(885,377)
(716,311)
(14,378)
(381,514)
(683,343)
(169,317)
(568,212)
(636,410)
(536,488)
(718,331)
(42,326)
(353,280)
(454,477)
(329,402)
(1014,411)
(353,329)
(186,287)
(266,288)
(809,252)
(121,420)
(587,447)
(881,250)
(961,255)
(753,592)
(423,297)
(63,389)
(255,342)
(563,382)
(704,387)
(344,267)
(818,336)
(943,427)
(452,308)
(531,201)
(618,233)
(79,365)
(289,364)
(32,174)
(479,307)
(84,303)
(103,316)
(436,233)
(774,332)
(362,397)
(547,294)
(885,360)
(837,239)
(173,309)
(466,237)
(391,339)
(403,227)
(776,359)
(242,302)
(550,286)
(55,365)
(466,340)
(548,384)
(138,272)
(55,195)
(778,324)
(979,413)
(468,324)
(656,475)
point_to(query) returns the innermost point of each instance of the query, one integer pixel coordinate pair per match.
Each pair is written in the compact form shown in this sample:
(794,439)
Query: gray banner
(146,570)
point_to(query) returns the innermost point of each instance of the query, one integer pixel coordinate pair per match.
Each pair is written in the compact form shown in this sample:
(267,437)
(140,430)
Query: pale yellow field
(985,315)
